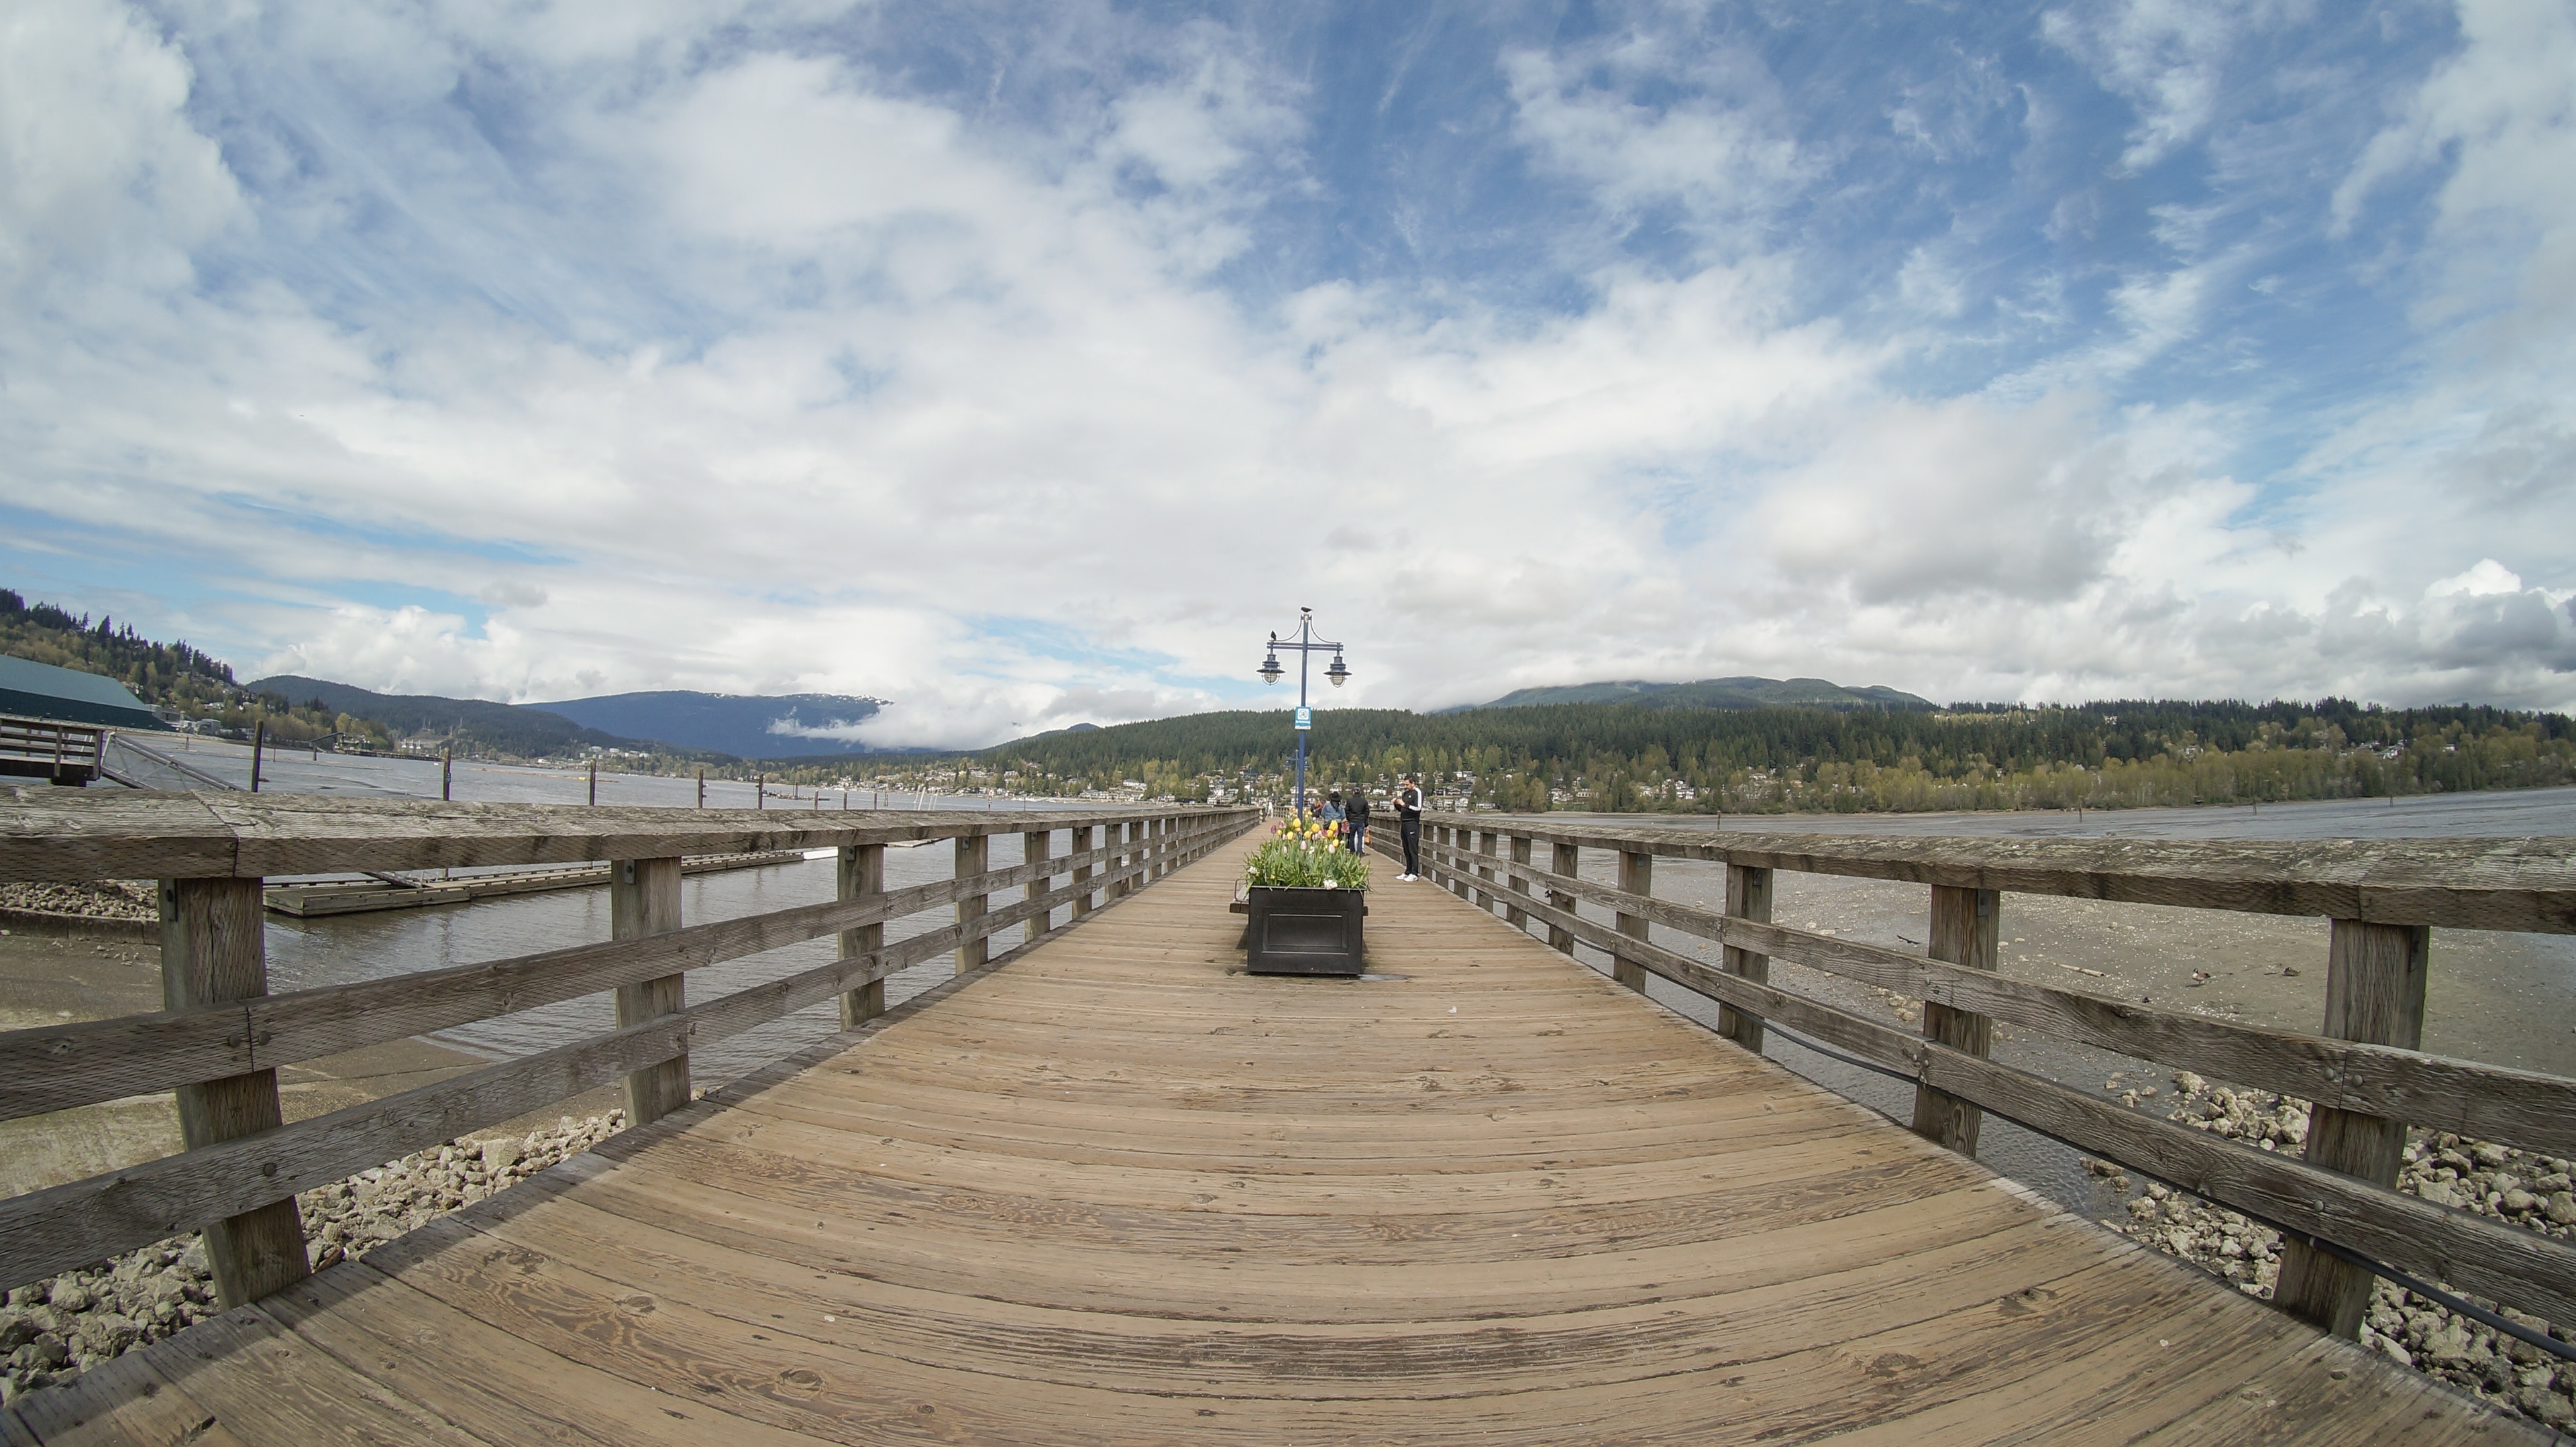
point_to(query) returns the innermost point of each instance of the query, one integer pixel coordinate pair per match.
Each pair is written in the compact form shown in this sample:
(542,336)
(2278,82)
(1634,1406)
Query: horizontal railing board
(86,835)
(65,1226)
(2525,1108)
(56,1067)
(2519,1267)
(2492,884)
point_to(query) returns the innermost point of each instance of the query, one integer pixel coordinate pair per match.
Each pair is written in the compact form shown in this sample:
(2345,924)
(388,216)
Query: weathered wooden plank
(214,951)
(1565,869)
(1036,845)
(85,834)
(1636,881)
(2497,884)
(1748,898)
(50,1230)
(644,900)
(859,876)
(2525,1108)
(2375,979)
(1080,847)
(974,858)
(2519,1267)
(1965,933)
(1520,881)
(57,1067)
(93,834)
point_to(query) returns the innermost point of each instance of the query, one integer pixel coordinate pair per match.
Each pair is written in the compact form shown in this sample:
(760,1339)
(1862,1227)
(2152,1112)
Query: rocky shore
(2519,1188)
(52,1330)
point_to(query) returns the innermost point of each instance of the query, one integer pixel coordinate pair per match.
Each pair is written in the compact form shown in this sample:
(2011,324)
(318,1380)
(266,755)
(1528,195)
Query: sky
(1028,364)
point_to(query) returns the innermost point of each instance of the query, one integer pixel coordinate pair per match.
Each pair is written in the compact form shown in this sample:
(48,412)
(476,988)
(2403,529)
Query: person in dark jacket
(1408,821)
(1356,820)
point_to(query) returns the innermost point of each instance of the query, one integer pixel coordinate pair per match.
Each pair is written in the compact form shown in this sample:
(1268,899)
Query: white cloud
(745,367)
(2167,58)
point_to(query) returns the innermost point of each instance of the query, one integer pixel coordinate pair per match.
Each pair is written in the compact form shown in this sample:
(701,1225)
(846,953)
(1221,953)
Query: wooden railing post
(1035,846)
(862,874)
(644,899)
(1965,925)
(1454,840)
(1566,860)
(1636,876)
(2375,975)
(1748,896)
(974,853)
(1080,843)
(1485,846)
(1520,883)
(214,949)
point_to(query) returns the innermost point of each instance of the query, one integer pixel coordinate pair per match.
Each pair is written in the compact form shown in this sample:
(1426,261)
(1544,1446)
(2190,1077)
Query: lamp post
(1305,643)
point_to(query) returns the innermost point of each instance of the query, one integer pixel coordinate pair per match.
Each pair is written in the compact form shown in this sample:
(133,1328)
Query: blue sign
(1305,717)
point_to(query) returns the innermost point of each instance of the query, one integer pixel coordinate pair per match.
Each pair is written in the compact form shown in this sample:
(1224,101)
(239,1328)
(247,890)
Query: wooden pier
(1109,1189)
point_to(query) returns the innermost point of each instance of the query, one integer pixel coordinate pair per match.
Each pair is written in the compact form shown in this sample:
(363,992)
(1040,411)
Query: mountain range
(797,725)
(1718,693)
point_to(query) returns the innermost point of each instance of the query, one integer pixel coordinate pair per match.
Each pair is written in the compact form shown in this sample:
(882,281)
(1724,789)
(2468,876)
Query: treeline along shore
(1625,757)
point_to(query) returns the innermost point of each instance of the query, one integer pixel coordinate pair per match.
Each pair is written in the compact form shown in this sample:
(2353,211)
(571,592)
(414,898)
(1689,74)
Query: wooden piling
(1748,897)
(1636,876)
(1566,861)
(1035,847)
(1965,925)
(644,900)
(1516,916)
(2375,977)
(1080,843)
(214,950)
(974,855)
(861,873)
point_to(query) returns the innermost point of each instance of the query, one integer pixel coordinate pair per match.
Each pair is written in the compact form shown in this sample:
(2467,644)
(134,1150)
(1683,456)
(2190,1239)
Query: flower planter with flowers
(1304,895)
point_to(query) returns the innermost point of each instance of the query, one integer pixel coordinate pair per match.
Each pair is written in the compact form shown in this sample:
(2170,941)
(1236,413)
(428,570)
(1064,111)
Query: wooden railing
(222,1036)
(2364,1072)
(65,753)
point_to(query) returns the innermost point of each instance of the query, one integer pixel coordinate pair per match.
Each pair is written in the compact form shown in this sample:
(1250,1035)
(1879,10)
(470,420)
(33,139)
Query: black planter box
(1302,931)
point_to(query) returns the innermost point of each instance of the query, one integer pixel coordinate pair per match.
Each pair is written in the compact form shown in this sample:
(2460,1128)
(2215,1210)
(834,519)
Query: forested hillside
(166,675)
(1629,757)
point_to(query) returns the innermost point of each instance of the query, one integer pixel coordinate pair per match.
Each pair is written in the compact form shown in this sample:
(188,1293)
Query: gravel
(131,899)
(2518,1188)
(53,1330)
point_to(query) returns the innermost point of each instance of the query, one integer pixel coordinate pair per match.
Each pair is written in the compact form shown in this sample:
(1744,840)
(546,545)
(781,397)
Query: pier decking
(1115,1191)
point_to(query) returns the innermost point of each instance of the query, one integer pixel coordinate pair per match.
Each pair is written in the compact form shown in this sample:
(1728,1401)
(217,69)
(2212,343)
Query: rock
(2488,1154)
(15,1331)
(2448,1345)
(106,1334)
(2519,1201)
(2439,1193)
(71,1296)
(2562,1209)
(2188,1083)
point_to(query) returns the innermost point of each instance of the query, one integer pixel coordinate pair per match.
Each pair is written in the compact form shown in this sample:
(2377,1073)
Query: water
(2507,999)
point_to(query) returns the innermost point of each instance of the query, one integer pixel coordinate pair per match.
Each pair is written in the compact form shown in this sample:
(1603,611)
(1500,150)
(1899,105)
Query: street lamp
(1340,673)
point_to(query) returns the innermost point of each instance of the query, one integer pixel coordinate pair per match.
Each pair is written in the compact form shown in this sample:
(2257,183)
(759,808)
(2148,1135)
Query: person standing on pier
(1357,825)
(1408,824)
